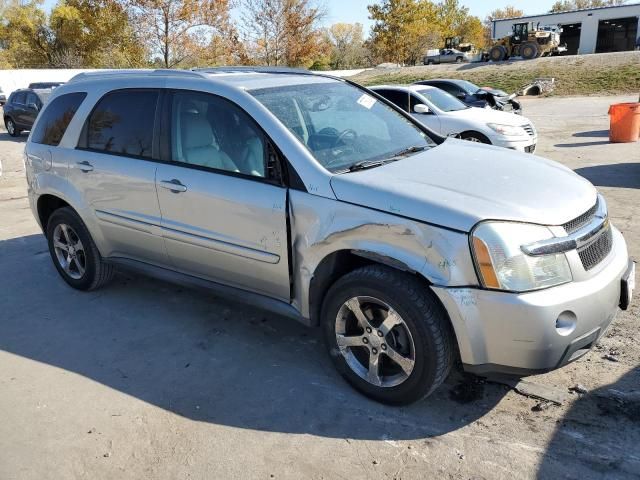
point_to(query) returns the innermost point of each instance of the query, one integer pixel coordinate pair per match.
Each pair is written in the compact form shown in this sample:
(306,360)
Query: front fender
(321,227)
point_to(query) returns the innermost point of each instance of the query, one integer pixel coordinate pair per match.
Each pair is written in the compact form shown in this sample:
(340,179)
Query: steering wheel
(349,133)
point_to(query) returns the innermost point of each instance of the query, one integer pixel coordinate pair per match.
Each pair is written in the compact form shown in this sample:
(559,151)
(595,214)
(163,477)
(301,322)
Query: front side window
(55,119)
(342,125)
(122,123)
(208,131)
(442,100)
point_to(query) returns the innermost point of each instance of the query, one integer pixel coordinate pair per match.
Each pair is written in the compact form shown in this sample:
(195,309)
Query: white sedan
(446,115)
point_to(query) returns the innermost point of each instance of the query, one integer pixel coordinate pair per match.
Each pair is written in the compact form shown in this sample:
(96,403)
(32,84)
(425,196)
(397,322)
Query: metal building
(590,30)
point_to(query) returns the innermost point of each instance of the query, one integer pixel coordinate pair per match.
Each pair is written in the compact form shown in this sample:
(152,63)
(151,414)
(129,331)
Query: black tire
(96,272)
(459,59)
(429,62)
(529,51)
(423,316)
(475,137)
(498,53)
(12,128)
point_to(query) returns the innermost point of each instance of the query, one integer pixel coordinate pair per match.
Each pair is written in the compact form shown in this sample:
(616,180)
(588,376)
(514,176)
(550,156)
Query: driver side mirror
(421,108)
(461,95)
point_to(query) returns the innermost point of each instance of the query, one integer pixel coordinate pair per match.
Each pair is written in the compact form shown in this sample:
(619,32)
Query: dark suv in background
(22,108)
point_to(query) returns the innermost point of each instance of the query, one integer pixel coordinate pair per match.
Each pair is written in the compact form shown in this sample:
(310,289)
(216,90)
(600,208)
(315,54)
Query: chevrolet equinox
(315,198)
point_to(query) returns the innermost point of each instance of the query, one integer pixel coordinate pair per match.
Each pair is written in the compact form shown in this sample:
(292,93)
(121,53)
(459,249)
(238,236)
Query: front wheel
(74,253)
(12,129)
(387,334)
(476,137)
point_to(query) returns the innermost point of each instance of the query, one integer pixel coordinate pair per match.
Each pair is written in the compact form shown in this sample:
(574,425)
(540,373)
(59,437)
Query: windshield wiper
(364,164)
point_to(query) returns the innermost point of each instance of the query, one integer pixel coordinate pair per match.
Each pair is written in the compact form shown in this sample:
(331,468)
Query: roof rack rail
(108,73)
(249,69)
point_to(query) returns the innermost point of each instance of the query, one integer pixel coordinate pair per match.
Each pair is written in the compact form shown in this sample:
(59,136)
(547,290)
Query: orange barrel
(625,122)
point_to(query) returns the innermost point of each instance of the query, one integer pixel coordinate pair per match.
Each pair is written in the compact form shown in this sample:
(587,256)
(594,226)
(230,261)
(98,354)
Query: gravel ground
(144,379)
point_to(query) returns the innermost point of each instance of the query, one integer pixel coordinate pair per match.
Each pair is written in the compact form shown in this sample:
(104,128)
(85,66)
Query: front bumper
(536,331)
(522,144)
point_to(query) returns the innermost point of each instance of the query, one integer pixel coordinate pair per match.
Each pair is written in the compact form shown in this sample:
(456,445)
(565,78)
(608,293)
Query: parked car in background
(446,115)
(3,98)
(319,200)
(41,85)
(22,108)
(447,55)
(475,96)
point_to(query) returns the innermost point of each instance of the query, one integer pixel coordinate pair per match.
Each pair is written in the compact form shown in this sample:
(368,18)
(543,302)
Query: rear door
(224,210)
(18,107)
(115,171)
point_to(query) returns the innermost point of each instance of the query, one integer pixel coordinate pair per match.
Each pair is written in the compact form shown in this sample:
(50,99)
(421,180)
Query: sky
(352,11)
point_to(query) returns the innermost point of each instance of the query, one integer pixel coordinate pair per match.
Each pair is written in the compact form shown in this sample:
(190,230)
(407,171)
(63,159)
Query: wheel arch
(341,262)
(46,205)
(476,133)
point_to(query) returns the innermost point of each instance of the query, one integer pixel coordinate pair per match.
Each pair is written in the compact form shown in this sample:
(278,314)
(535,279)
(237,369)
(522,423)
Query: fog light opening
(566,323)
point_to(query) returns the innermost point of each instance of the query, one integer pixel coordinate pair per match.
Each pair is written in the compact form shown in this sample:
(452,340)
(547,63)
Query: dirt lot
(598,74)
(147,380)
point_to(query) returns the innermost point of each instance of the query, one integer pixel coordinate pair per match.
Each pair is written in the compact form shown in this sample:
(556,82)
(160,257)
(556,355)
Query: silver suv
(316,198)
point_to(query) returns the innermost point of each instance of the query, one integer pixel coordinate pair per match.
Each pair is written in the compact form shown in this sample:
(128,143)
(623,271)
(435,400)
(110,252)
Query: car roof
(241,78)
(412,88)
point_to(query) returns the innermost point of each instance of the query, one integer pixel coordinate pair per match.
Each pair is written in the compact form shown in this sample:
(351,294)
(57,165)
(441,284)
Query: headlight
(502,265)
(507,130)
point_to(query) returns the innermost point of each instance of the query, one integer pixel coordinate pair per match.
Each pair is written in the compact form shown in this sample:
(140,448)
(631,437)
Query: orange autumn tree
(179,30)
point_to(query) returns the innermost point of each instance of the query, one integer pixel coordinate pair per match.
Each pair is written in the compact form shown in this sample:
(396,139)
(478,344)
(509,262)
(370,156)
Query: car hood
(459,183)
(489,115)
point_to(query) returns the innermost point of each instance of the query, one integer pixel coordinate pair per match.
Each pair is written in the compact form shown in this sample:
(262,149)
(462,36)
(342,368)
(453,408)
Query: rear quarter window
(56,118)
(122,123)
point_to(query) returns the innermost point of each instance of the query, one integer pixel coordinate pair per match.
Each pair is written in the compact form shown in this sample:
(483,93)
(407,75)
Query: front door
(223,211)
(113,168)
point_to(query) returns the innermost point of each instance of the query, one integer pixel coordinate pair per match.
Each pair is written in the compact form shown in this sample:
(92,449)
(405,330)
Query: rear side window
(56,118)
(122,123)
(18,97)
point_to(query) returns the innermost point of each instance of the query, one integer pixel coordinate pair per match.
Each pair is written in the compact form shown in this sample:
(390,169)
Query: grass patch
(588,75)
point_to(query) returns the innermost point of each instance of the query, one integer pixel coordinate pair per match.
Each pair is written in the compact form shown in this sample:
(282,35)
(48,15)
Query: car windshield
(341,125)
(468,87)
(442,100)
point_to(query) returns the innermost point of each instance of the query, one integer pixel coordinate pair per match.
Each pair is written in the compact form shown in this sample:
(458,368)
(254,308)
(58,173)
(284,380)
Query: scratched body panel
(322,226)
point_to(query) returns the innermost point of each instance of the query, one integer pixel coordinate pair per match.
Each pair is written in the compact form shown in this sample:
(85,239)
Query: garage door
(617,34)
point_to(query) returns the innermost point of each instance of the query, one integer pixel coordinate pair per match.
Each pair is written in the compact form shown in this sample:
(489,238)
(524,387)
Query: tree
(347,45)
(565,5)
(178,30)
(403,29)
(507,12)
(77,33)
(283,32)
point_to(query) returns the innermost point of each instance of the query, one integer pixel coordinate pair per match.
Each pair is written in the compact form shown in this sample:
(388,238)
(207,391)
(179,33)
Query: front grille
(529,129)
(593,254)
(579,222)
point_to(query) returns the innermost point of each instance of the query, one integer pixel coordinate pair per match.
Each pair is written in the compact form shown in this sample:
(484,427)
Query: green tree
(347,45)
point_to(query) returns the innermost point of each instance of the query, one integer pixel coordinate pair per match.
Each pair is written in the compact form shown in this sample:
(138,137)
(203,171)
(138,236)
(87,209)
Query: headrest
(196,131)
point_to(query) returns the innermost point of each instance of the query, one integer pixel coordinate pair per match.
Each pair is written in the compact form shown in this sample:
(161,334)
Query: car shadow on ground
(4,136)
(205,359)
(593,450)
(622,175)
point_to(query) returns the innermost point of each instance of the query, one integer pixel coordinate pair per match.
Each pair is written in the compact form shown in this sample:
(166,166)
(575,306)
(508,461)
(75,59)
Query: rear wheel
(429,62)
(12,129)
(529,51)
(74,253)
(387,334)
(498,53)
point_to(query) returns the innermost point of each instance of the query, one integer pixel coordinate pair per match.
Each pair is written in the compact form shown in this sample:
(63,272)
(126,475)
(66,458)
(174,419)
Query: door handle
(174,185)
(85,166)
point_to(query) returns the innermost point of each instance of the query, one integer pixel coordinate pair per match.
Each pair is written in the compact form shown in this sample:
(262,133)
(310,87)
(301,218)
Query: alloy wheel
(375,341)
(11,128)
(69,251)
